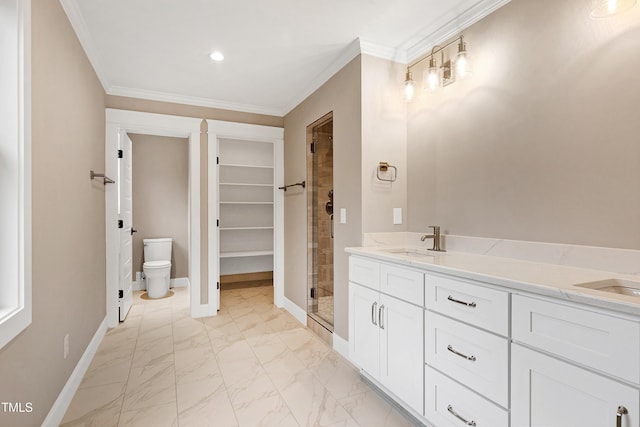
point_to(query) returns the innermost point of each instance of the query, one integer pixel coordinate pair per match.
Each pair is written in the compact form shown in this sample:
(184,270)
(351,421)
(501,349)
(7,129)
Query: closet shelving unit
(246,204)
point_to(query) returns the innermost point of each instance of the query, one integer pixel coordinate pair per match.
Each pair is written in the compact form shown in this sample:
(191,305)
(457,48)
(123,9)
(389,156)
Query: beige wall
(384,139)
(342,95)
(68,219)
(542,143)
(160,197)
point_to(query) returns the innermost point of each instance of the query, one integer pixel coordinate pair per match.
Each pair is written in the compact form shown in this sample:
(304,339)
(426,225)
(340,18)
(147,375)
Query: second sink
(616,286)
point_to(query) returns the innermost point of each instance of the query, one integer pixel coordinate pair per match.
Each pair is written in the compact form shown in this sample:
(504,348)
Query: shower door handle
(331,226)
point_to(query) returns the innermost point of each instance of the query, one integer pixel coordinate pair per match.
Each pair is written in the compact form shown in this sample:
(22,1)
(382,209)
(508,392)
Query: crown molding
(192,100)
(384,52)
(80,27)
(351,51)
(458,23)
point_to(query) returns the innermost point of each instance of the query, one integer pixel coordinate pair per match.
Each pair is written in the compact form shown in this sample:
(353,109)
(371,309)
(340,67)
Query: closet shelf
(246,203)
(244,228)
(242,184)
(236,165)
(244,254)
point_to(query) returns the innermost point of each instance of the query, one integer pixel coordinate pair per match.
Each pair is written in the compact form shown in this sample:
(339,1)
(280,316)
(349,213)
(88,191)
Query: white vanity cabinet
(573,366)
(466,339)
(385,326)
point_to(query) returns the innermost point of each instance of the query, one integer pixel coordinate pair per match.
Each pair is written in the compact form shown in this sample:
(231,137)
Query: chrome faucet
(436,238)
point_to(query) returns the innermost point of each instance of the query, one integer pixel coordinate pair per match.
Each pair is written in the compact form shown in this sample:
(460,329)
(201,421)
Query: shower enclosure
(320,221)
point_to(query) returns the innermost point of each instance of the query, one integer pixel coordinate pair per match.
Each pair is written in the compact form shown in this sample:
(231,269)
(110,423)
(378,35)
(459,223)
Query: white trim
(179,282)
(385,52)
(295,311)
(151,124)
(341,346)
(439,33)
(192,100)
(351,51)
(84,36)
(220,129)
(59,408)
(17,316)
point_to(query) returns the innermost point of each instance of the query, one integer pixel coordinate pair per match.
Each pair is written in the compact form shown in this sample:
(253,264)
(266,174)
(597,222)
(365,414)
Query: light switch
(397,216)
(343,215)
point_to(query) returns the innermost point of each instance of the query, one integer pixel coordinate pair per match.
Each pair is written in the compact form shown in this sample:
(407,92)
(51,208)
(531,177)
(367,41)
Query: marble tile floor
(252,365)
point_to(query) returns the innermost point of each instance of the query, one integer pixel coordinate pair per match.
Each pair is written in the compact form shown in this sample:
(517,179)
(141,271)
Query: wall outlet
(343,215)
(397,216)
(65,346)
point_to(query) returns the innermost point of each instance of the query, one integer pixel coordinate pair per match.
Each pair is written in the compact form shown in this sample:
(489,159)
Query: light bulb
(409,87)
(462,66)
(432,76)
(612,5)
(462,61)
(604,8)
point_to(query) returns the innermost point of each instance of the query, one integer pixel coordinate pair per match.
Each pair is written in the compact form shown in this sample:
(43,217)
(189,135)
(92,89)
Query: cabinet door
(364,333)
(549,392)
(401,350)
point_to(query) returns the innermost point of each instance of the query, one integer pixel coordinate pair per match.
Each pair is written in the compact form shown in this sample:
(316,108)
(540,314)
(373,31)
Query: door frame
(160,125)
(275,135)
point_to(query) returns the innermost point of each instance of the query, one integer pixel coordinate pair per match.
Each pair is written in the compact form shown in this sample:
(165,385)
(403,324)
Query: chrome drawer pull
(452,350)
(381,316)
(468,304)
(458,416)
(373,313)
(621,411)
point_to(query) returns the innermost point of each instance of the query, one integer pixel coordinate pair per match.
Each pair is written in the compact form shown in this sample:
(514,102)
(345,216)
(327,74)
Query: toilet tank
(157,249)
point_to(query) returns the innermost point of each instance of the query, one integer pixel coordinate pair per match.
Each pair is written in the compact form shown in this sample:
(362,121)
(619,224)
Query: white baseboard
(178,282)
(341,346)
(295,311)
(59,408)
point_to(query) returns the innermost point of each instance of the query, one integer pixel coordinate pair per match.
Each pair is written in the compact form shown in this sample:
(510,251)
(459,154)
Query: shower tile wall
(325,242)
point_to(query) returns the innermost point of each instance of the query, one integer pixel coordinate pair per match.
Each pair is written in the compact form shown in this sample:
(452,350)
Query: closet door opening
(246,213)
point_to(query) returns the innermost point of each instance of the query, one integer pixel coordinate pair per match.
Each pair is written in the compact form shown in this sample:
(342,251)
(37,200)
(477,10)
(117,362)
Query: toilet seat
(156,264)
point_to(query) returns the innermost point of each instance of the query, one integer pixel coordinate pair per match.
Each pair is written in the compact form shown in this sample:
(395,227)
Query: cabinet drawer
(364,272)
(597,340)
(477,359)
(403,283)
(474,304)
(444,399)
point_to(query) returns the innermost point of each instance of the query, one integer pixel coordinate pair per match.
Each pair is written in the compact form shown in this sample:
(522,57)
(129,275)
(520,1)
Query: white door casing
(219,129)
(162,125)
(125,214)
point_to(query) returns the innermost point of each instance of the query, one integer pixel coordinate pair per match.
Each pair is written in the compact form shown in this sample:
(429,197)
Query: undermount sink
(615,286)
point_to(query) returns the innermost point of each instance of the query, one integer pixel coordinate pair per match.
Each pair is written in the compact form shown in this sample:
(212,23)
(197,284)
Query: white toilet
(157,266)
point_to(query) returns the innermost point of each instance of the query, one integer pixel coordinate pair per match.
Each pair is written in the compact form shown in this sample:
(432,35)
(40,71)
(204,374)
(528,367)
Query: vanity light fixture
(604,8)
(444,75)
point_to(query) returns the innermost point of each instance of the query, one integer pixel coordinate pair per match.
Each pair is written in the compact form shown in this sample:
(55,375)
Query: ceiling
(276,52)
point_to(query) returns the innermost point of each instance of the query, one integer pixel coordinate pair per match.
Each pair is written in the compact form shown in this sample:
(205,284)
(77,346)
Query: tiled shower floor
(252,365)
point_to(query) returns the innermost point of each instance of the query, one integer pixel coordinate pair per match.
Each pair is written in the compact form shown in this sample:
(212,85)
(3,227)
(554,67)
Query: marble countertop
(550,280)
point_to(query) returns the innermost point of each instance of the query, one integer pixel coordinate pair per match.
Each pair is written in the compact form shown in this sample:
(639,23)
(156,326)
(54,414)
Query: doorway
(320,220)
(119,122)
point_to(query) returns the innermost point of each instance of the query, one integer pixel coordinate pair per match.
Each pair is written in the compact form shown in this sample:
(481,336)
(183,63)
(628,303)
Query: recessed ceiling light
(217,56)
